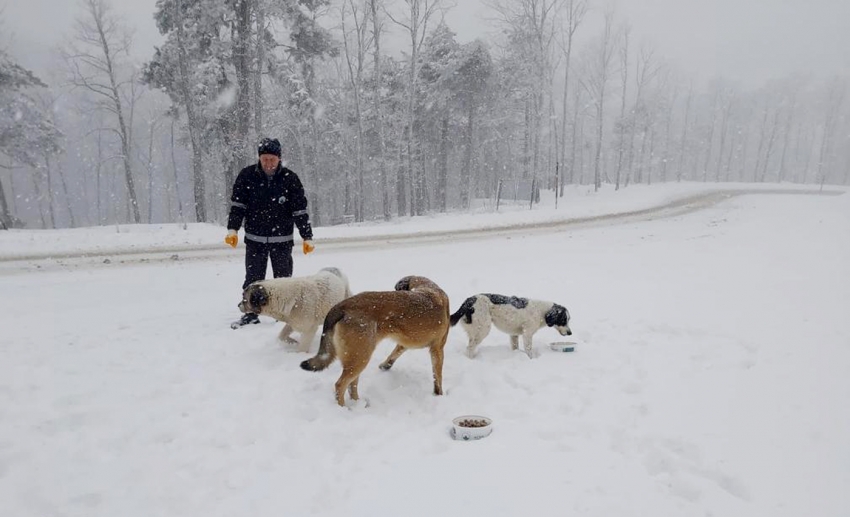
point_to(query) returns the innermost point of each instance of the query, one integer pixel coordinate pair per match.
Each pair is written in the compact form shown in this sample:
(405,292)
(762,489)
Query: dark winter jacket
(269,205)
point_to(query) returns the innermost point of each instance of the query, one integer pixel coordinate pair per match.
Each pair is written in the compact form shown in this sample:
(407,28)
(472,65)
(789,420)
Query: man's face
(269,162)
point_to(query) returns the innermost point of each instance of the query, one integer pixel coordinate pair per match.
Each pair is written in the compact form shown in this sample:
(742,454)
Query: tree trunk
(680,170)
(98,172)
(5,213)
(638,175)
(624,70)
(443,178)
(526,145)
(724,127)
(38,196)
(193,125)
(781,177)
(761,146)
(710,138)
(382,164)
(125,131)
(260,12)
(50,208)
(176,179)
(650,169)
(466,173)
(242,66)
(770,143)
(150,172)
(67,194)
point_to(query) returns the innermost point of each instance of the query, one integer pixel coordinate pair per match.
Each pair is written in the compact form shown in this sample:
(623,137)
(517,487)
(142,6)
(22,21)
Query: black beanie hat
(269,146)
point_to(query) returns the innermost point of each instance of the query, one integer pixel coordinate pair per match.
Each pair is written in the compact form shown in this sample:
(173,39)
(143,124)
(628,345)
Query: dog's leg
(392,358)
(285,333)
(307,339)
(470,348)
(344,382)
(514,342)
(526,341)
(352,389)
(437,366)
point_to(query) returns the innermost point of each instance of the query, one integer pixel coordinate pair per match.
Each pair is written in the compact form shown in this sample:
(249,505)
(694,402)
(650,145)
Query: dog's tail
(327,352)
(466,310)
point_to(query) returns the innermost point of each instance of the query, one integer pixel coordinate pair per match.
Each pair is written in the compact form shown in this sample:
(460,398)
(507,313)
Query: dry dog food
(473,422)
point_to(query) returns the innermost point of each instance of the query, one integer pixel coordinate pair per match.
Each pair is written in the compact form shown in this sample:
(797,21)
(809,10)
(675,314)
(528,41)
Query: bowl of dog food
(563,346)
(471,427)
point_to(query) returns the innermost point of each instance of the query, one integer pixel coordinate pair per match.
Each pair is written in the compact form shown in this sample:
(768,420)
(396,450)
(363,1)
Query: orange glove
(308,247)
(231,238)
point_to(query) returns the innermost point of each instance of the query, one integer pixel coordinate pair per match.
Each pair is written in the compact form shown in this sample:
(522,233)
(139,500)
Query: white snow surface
(710,378)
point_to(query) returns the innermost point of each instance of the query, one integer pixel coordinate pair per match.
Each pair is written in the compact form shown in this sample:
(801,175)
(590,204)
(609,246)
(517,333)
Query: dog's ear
(258,297)
(556,316)
(403,284)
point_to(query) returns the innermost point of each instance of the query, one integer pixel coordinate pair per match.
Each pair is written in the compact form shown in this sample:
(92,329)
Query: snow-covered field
(578,202)
(710,378)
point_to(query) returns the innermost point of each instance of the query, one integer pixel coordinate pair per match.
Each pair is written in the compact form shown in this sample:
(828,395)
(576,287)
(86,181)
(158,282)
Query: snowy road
(710,379)
(141,254)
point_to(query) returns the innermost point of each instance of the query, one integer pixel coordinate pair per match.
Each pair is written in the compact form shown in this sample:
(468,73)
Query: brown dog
(415,315)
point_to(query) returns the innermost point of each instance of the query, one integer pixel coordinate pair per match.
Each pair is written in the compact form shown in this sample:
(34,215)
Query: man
(270,198)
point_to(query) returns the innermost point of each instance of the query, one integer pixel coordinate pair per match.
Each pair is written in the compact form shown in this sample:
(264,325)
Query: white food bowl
(466,432)
(563,346)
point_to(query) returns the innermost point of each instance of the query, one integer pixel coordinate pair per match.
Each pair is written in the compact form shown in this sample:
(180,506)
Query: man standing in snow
(270,198)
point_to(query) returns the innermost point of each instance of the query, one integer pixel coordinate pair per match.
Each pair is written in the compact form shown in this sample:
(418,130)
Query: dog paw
(291,345)
(357,405)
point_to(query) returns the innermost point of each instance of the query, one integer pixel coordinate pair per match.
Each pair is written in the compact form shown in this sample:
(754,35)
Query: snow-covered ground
(710,378)
(578,202)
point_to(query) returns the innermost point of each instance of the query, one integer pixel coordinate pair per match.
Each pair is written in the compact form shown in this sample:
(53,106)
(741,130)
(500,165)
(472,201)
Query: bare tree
(595,82)
(574,15)
(260,16)
(647,68)
(377,32)
(684,140)
(727,102)
(795,87)
(417,17)
(97,58)
(355,58)
(193,126)
(533,26)
(154,123)
(836,92)
(174,170)
(770,142)
(242,66)
(622,123)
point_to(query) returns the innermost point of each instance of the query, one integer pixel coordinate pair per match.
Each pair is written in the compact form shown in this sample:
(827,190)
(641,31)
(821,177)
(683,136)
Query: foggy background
(656,90)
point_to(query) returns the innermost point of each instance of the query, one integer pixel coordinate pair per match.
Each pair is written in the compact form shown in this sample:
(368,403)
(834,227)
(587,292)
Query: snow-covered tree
(27,133)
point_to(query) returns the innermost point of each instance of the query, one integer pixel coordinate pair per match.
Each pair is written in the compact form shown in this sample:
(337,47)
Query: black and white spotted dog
(513,316)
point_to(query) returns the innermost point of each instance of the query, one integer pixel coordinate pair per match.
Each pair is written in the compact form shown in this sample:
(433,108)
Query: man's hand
(231,238)
(308,247)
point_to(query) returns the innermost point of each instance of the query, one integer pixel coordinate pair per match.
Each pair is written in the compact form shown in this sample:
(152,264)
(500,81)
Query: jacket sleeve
(298,203)
(238,203)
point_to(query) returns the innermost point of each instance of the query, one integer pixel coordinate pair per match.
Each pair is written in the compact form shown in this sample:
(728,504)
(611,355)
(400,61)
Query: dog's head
(254,298)
(559,317)
(413,282)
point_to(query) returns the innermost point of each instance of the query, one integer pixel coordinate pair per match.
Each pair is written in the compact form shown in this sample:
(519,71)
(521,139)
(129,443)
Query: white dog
(513,316)
(300,302)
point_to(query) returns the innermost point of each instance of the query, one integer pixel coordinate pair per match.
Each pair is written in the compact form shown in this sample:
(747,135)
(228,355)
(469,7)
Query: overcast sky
(744,40)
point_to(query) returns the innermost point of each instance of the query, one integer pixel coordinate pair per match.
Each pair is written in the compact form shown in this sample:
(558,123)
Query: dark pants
(257,256)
